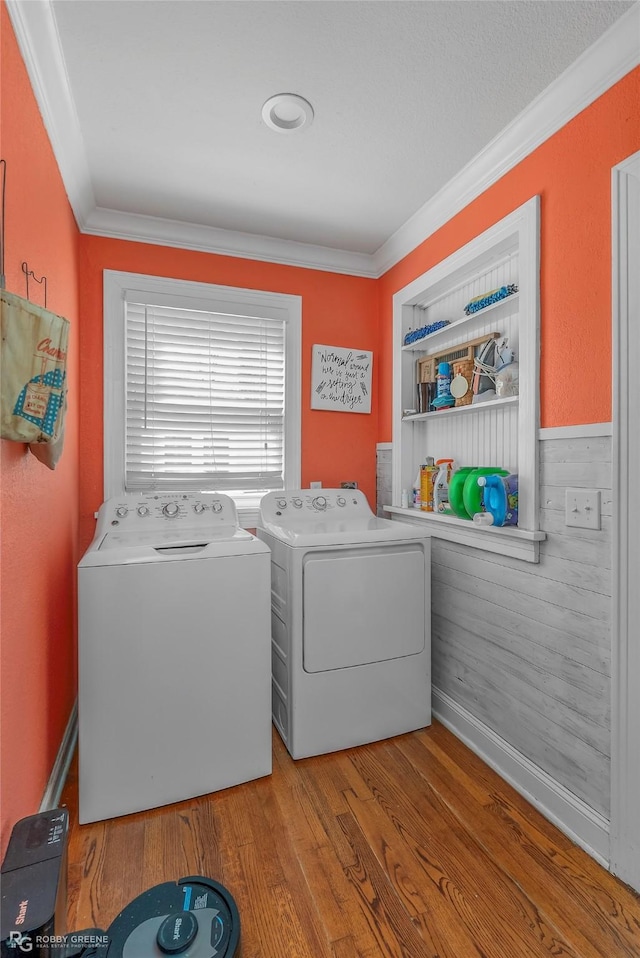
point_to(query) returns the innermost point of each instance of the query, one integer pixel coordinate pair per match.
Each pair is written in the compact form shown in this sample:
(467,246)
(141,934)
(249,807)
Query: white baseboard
(58,777)
(584,826)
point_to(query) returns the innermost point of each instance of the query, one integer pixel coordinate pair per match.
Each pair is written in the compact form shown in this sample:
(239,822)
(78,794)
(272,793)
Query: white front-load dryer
(350,621)
(174,695)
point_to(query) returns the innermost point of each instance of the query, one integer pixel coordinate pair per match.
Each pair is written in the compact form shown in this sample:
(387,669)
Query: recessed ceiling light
(287,113)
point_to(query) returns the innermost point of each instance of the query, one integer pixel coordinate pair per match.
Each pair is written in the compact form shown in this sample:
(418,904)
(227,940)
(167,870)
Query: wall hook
(43,279)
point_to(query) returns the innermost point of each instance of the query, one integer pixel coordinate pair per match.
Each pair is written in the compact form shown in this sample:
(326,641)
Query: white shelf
(507,252)
(462,410)
(441,335)
(505,540)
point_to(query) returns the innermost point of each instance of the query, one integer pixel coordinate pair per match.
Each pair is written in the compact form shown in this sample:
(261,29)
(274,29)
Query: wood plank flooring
(407,848)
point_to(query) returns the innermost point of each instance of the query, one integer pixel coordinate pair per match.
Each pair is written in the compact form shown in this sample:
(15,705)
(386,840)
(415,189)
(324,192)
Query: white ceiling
(168,96)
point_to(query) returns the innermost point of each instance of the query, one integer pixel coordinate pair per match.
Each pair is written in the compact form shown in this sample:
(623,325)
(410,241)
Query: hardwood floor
(407,848)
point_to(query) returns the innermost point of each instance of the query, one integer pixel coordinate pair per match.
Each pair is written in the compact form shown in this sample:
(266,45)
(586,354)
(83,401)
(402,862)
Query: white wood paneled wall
(525,648)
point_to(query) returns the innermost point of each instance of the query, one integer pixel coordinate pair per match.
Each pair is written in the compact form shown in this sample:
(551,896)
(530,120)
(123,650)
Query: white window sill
(504,540)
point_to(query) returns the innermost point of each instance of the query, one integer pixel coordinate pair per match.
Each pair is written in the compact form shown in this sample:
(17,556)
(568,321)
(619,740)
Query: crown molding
(209,239)
(605,62)
(37,35)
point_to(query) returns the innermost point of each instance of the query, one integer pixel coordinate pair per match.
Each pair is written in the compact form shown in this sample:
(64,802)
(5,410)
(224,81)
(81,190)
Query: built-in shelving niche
(498,433)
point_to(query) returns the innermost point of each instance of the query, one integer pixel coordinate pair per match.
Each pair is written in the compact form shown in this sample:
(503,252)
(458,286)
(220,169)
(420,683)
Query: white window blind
(205,400)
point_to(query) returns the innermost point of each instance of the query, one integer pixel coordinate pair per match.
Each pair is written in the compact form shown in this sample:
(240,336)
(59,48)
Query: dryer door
(363,605)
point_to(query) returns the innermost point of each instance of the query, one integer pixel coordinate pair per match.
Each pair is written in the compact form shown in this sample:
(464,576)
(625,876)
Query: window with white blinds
(207,400)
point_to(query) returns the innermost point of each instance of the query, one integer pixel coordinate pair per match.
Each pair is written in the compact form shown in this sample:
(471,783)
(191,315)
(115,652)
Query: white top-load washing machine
(174,681)
(350,621)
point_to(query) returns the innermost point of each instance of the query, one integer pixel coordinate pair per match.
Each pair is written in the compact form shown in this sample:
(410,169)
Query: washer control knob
(341,501)
(199,508)
(281,503)
(122,511)
(297,503)
(217,506)
(171,509)
(143,510)
(319,503)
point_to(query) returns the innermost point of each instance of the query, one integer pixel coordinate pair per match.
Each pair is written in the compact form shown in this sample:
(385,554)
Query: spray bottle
(441,485)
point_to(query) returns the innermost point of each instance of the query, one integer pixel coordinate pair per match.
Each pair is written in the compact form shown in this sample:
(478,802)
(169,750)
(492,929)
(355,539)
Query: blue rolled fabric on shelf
(487,299)
(414,334)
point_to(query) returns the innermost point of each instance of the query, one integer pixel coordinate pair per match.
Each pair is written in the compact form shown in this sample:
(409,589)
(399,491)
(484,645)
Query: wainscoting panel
(525,648)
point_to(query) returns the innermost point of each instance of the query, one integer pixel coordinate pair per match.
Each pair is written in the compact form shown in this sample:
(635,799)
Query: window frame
(210,297)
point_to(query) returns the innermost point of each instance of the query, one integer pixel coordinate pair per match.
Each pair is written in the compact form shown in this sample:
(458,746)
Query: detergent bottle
(501,498)
(428,474)
(473,492)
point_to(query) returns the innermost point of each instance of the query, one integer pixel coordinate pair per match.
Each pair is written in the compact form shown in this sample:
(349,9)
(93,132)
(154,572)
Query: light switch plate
(315,485)
(582,508)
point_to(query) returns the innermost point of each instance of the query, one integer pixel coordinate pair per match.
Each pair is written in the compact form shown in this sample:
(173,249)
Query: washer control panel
(156,510)
(299,505)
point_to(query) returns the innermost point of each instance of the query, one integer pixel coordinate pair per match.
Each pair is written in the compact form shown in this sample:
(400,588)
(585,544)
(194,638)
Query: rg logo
(18,940)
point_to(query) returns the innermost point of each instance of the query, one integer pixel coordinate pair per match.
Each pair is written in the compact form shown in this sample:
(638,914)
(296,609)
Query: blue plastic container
(444,399)
(501,498)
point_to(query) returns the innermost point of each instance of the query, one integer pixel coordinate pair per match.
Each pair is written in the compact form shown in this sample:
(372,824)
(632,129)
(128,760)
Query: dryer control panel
(151,511)
(298,505)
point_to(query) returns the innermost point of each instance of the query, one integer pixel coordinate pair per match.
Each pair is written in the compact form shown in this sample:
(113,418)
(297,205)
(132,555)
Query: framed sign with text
(341,379)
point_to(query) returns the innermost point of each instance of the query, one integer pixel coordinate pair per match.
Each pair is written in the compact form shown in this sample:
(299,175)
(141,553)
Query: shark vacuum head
(195,917)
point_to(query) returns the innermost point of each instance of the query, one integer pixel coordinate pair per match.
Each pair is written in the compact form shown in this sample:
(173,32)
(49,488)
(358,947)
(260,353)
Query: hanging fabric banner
(33,373)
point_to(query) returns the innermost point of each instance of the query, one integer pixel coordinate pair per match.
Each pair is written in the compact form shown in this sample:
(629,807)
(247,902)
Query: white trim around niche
(519,230)
(610,58)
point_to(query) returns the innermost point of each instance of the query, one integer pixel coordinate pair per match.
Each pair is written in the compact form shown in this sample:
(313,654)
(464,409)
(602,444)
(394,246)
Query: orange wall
(38,507)
(41,540)
(336,310)
(571,171)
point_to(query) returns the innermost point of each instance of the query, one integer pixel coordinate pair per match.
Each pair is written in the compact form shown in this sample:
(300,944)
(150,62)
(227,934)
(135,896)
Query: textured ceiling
(169,96)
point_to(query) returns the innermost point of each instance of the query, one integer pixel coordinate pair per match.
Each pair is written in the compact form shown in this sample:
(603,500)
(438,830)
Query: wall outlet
(315,485)
(582,508)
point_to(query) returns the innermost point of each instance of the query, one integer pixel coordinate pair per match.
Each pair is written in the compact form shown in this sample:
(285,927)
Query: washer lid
(176,538)
(332,531)
(121,549)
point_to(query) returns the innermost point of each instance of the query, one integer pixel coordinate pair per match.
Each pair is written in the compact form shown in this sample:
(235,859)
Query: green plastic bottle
(456,487)
(472,493)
